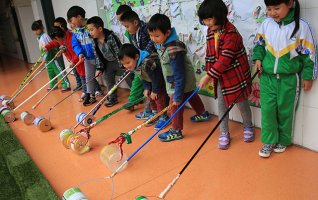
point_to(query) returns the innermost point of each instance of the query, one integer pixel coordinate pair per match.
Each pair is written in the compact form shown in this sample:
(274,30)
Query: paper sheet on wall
(243,9)
(175,10)
(189,10)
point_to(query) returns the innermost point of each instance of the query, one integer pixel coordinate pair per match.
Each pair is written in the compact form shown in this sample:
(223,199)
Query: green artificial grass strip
(21,179)
(9,190)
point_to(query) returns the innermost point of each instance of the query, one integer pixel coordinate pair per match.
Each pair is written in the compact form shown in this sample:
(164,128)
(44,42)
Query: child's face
(95,32)
(58,24)
(72,26)
(158,37)
(209,22)
(280,11)
(132,28)
(130,63)
(38,31)
(77,21)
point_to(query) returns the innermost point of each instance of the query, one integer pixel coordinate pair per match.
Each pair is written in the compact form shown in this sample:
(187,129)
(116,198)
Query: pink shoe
(65,89)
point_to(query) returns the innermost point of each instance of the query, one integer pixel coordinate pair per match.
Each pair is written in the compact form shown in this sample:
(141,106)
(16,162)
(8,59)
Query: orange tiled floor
(237,173)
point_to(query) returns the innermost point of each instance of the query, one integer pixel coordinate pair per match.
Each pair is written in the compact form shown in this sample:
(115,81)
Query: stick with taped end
(30,82)
(163,194)
(121,166)
(121,79)
(27,76)
(41,87)
(72,93)
(59,82)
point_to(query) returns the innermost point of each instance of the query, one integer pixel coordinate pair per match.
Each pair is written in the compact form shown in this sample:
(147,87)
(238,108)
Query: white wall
(31,45)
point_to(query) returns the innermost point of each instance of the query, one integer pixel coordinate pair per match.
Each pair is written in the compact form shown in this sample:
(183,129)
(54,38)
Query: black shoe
(89,100)
(76,88)
(111,102)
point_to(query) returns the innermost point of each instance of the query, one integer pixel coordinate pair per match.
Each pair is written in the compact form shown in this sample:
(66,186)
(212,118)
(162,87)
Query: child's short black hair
(37,25)
(160,22)
(123,8)
(128,50)
(55,32)
(96,21)
(213,9)
(74,11)
(129,16)
(62,21)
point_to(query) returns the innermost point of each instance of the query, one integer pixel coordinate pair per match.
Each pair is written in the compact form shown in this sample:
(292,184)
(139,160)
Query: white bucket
(88,120)
(74,194)
(27,117)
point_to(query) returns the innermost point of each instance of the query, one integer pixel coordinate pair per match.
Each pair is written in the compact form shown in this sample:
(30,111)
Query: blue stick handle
(164,124)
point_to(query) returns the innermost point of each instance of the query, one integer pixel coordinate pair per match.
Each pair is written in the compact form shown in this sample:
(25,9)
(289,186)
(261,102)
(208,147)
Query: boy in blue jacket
(147,67)
(178,73)
(82,46)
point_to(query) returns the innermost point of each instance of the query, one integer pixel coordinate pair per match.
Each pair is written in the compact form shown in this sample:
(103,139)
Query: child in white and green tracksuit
(283,52)
(55,67)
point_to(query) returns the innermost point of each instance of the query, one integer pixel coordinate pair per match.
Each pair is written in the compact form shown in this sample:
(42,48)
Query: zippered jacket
(69,53)
(114,45)
(82,42)
(281,54)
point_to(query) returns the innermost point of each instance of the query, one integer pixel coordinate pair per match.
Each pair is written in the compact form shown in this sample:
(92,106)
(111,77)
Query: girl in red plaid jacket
(226,66)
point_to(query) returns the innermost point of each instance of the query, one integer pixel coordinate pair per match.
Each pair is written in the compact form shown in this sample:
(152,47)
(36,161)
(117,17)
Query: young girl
(62,37)
(284,46)
(55,67)
(227,66)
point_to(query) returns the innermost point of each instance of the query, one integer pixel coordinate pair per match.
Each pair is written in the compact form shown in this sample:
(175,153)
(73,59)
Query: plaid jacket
(228,64)
(144,42)
(113,43)
(151,73)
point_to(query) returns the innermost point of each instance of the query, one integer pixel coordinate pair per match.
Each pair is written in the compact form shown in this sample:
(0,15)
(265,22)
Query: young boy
(147,67)
(105,47)
(139,34)
(82,46)
(137,89)
(178,73)
(120,11)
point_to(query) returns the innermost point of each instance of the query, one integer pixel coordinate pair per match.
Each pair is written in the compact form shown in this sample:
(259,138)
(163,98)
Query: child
(63,39)
(129,20)
(61,22)
(227,66)
(293,39)
(105,46)
(178,73)
(82,46)
(121,9)
(99,92)
(55,67)
(147,67)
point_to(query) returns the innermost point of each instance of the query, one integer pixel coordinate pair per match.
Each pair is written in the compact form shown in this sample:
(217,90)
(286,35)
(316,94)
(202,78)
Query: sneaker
(266,151)
(111,102)
(248,134)
(152,122)
(279,148)
(89,100)
(170,135)
(99,93)
(162,120)
(224,141)
(49,89)
(142,115)
(65,89)
(76,88)
(131,108)
(83,97)
(200,118)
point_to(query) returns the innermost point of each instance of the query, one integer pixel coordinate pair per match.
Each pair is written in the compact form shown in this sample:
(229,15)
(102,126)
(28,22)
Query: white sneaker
(266,151)
(279,148)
